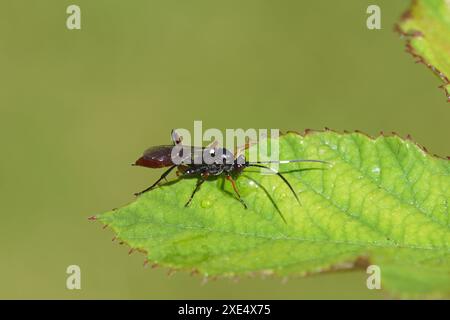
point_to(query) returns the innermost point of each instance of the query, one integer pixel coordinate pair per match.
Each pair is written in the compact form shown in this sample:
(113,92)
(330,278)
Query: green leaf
(383,201)
(426,26)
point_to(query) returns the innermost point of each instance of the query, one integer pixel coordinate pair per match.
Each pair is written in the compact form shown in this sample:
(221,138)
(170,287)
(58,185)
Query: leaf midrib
(367,245)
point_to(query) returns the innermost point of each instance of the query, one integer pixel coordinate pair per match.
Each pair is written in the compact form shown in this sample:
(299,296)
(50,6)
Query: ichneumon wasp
(192,161)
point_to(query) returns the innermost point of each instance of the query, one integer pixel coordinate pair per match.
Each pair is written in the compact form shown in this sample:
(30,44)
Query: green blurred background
(77,107)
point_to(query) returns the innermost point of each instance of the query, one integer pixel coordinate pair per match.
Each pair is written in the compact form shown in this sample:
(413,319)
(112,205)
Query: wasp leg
(197,187)
(233,183)
(163,176)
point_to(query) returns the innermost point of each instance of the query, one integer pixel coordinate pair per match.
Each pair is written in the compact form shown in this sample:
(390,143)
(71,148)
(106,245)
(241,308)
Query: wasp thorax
(217,156)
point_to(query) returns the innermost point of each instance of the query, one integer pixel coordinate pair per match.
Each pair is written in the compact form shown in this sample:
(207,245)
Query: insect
(192,161)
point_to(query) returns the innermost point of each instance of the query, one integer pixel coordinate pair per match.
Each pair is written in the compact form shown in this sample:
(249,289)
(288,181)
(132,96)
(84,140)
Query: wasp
(205,162)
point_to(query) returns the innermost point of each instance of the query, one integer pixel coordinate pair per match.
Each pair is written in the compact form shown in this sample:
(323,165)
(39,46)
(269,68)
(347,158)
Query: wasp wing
(169,155)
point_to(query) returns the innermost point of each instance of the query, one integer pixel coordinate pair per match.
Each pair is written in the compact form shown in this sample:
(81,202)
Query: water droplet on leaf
(206,203)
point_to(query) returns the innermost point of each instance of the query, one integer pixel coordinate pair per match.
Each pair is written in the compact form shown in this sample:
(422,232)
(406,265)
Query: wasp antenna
(282,217)
(273,202)
(289,161)
(282,178)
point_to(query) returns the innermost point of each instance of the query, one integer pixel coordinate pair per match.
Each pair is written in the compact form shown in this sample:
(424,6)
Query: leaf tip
(408,35)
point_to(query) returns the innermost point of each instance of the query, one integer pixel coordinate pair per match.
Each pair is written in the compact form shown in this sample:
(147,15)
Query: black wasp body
(203,162)
(225,163)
